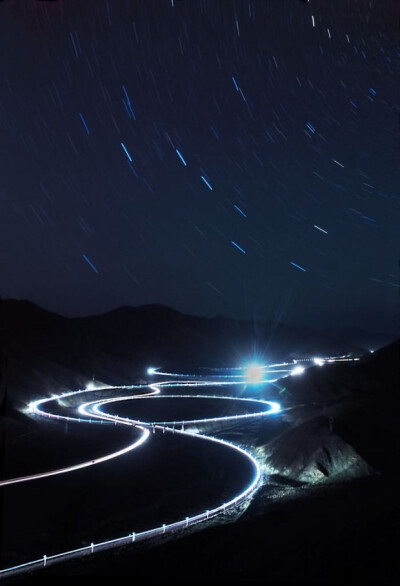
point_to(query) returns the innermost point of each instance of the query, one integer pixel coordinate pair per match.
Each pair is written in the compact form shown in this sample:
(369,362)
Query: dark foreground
(339,534)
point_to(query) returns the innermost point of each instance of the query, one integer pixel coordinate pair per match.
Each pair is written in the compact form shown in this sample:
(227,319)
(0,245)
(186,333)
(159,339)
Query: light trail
(91,412)
(34,407)
(136,444)
(281,369)
(273,407)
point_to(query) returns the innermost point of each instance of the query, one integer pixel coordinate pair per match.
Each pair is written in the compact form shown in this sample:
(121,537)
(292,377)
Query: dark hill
(328,512)
(344,420)
(40,347)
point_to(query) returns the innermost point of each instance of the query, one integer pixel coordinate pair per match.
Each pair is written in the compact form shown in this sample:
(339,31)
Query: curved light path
(93,409)
(257,373)
(91,412)
(238,375)
(35,407)
(139,442)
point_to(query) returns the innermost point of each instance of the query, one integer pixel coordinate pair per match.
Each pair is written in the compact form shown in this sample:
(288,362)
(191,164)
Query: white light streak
(91,412)
(298,370)
(320,229)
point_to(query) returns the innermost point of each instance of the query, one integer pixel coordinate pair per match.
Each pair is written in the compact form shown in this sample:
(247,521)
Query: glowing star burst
(254,373)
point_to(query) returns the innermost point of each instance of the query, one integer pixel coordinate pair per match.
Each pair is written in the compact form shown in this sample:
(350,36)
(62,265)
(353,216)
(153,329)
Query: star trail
(236,158)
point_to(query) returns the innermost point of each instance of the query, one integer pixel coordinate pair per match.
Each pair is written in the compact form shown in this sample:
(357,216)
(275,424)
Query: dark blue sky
(234,157)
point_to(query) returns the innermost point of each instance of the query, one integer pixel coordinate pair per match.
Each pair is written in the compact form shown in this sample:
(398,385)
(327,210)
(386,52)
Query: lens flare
(254,373)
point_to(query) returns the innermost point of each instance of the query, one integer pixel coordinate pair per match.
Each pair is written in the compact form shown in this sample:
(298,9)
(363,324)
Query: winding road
(80,407)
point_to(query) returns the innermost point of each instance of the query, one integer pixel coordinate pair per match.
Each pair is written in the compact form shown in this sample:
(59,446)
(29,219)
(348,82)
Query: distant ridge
(117,346)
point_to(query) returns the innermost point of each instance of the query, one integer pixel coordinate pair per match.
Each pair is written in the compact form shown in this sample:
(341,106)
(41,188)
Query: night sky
(221,157)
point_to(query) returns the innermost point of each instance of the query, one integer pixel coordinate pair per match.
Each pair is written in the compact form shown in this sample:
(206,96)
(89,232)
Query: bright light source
(151,370)
(319,361)
(298,370)
(254,373)
(275,407)
(90,386)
